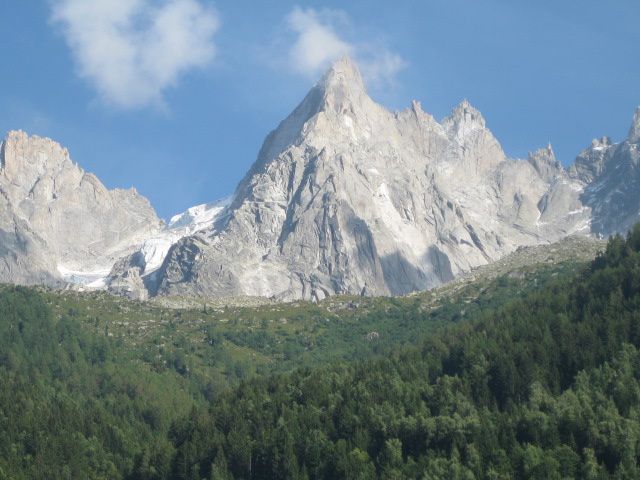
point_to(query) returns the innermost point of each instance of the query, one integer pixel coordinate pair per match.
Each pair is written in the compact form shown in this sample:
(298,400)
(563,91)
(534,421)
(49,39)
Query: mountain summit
(343,77)
(634,131)
(345,197)
(58,222)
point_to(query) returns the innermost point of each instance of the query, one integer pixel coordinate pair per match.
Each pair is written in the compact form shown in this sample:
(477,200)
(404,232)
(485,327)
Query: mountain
(59,223)
(135,274)
(534,375)
(611,173)
(345,197)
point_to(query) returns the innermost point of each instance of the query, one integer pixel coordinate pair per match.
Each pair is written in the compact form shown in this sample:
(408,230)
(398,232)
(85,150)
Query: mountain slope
(545,387)
(612,174)
(115,376)
(59,223)
(347,197)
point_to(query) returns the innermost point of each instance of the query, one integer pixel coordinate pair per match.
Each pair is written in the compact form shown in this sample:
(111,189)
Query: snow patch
(579,210)
(94,279)
(199,217)
(189,222)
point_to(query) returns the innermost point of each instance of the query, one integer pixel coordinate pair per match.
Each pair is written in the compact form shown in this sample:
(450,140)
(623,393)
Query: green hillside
(526,375)
(546,387)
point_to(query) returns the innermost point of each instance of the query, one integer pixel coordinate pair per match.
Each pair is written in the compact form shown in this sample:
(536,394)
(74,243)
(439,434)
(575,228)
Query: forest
(545,385)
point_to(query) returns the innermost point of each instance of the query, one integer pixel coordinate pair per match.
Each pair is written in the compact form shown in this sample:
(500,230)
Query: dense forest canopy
(546,386)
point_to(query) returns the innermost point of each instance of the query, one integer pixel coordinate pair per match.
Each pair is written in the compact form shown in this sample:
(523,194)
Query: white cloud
(383,67)
(317,43)
(132,50)
(321,38)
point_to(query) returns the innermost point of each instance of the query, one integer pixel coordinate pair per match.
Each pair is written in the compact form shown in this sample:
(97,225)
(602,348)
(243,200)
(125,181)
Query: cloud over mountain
(131,51)
(321,37)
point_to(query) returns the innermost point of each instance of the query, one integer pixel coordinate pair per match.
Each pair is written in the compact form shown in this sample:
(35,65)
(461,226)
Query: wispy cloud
(320,38)
(317,43)
(131,51)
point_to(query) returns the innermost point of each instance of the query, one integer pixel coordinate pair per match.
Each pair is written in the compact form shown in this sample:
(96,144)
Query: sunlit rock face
(59,223)
(347,197)
(611,176)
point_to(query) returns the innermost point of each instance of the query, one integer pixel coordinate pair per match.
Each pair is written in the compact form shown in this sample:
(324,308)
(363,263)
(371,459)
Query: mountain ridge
(314,147)
(345,197)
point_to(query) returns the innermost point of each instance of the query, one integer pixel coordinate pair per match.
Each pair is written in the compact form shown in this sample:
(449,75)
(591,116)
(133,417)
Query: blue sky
(175,97)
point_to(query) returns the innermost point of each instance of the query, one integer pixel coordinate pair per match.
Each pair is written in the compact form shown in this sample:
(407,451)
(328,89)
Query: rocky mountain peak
(463,120)
(339,99)
(601,143)
(343,73)
(545,162)
(634,131)
(590,163)
(342,87)
(58,219)
(545,153)
(31,155)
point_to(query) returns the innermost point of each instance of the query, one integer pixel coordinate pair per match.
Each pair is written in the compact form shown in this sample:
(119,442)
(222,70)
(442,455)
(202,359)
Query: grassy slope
(218,347)
(95,382)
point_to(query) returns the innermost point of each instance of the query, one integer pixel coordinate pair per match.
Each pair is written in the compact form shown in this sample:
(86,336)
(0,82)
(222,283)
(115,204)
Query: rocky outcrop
(347,197)
(634,131)
(611,174)
(59,223)
(126,277)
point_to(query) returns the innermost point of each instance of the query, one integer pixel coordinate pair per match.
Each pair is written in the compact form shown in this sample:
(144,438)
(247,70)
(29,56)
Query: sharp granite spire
(343,73)
(464,119)
(545,162)
(348,197)
(343,83)
(345,197)
(634,131)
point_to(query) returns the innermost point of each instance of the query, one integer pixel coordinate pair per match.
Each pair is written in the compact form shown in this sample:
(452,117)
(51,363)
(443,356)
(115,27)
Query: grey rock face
(347,197)
(634,131)
(126,277)
(59,223)
(611,174)
(589,164)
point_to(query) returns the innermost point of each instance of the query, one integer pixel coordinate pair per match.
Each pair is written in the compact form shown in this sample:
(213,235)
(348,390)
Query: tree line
(545,387)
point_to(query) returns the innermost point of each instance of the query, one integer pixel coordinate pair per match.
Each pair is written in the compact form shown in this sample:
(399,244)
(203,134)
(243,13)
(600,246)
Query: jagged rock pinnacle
(634,131)
(463,120)
(343,72)
(545,162)
(343,86)
(30,155)
(550,151)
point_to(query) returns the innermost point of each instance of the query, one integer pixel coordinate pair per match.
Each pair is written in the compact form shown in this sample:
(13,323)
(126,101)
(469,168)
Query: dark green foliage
(539,383)
(69,408)
(105,400)
(547,387)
